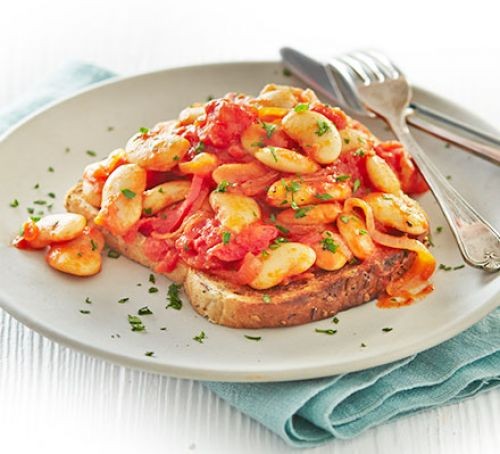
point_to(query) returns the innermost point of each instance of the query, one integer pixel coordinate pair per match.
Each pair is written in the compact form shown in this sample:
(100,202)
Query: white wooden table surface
(56,400)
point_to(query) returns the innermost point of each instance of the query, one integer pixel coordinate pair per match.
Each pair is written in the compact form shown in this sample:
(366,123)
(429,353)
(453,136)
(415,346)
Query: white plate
(50,302)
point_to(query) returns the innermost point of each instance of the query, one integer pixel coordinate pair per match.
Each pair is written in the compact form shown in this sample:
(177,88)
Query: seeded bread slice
(296,303)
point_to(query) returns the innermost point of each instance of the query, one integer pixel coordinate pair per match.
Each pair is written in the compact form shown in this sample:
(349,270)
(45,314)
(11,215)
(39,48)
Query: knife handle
(492,153)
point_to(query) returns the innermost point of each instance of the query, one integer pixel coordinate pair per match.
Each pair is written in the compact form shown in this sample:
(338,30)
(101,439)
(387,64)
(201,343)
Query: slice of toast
(296,303)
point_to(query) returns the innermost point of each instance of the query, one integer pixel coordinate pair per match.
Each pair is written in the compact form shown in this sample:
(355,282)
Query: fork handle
(478,242)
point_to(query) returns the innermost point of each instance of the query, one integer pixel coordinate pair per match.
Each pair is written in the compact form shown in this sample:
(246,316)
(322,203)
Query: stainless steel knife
(317,76)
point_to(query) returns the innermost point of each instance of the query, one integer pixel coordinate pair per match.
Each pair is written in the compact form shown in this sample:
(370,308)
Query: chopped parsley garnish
(84,311)
(447,145)
(450,268)
(359,152)
(282,229)
(88,300)
(52,195)
(301,107)
(330,332)
(323,128)
(266,298)
(226,237)
(136,323)
(163,328)
(200,337)
(143,130)
(40,202)
(110,128)
(176,158)
(439,229)
(362,232)
(448,177)
(253,338)
(273,152)
(329,245)
(277,242)
(30,210)
(93,245)
(269,128)
(386,330)
(287,72)
(302,212)
(210,97)
(363,345)
(347,140)
(342,178)
(14,203)
(293,187)
(35,218)
(91,153)
(173,298)
(67,149)
(150,354)
(153,290)
(354,261)
(335,320)
(113,254)
(356,185)
(258,144)
(323,196)
(36,186)
(152,279)
(148,211)
(222,186)
(344,219)
(50,169)
(123,300)
(128,193)
(199,148)
(144,311)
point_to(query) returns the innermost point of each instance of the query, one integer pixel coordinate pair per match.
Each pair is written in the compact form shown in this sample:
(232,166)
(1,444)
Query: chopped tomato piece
(225,121)
(155,249)
(254,238)
(169,262)
(249,269)
(396,156)
(335,115)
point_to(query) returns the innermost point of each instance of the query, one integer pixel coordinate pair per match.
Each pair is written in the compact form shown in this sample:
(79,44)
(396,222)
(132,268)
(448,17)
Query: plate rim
(234,375)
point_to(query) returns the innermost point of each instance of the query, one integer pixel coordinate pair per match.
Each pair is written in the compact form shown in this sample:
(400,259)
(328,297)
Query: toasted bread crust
(296,303)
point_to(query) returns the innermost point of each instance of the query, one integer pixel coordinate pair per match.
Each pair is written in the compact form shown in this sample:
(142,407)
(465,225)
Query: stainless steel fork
(378,85)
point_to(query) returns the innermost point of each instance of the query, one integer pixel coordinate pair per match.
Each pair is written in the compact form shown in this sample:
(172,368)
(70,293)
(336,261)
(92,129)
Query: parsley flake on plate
(144,311)
(253,338)
(174,301)
(330,332)
(200,337)
(136,323)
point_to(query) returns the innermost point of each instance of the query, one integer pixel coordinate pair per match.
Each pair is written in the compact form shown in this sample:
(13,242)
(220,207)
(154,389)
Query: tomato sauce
(201,245)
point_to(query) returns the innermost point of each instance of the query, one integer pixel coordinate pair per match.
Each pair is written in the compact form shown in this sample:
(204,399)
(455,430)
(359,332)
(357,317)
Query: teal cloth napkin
(310,412)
